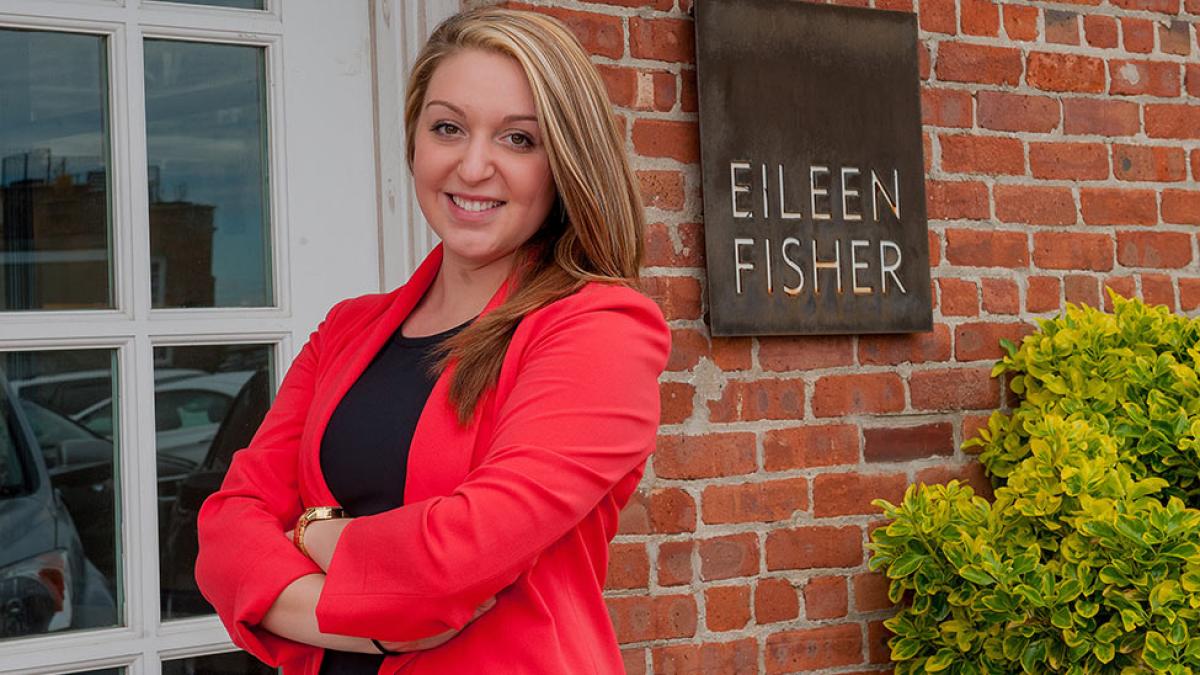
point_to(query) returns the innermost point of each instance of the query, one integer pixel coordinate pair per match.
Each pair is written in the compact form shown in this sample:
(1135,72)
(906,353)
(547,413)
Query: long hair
(594,230)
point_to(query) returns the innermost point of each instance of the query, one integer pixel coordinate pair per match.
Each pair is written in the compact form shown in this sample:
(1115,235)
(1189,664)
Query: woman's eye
(520,140)
(445,129)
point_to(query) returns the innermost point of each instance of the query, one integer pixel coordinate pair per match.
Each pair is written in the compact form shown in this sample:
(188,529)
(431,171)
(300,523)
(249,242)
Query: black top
(364,452)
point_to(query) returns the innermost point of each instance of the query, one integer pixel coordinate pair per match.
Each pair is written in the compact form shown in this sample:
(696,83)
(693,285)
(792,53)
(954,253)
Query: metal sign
(813,175)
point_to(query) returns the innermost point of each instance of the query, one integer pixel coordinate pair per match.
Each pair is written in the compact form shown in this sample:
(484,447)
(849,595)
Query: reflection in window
(238,4)
(206,137)
(58,564)
(55,245)
(233,663)
(200,421)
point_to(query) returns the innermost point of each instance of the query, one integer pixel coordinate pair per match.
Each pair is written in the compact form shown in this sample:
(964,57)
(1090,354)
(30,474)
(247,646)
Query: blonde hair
(594,231)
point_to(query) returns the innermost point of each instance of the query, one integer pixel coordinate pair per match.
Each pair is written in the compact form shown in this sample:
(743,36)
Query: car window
(14,473)
(186,408)
(99,421)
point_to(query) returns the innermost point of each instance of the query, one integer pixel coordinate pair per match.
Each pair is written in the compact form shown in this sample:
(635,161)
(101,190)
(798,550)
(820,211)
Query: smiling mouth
(474,206)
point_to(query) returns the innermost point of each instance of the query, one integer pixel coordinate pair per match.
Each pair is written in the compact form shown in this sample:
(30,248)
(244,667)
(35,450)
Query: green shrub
(1088,560)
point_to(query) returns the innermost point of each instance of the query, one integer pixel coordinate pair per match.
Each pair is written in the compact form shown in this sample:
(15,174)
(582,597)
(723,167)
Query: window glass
(206,139)
(55,192)
(238,4)
(200,421)
(59,568)
(233,663)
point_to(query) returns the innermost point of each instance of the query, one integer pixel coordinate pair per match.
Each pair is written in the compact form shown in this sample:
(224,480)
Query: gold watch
(312,515)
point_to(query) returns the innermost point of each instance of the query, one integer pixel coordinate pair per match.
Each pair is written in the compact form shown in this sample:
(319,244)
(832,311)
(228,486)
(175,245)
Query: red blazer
(520,504)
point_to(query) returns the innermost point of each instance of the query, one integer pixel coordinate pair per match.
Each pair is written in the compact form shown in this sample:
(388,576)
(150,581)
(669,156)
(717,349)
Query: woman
(478,541)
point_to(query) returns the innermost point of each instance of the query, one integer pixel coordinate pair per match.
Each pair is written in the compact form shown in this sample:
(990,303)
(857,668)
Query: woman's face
(479,163)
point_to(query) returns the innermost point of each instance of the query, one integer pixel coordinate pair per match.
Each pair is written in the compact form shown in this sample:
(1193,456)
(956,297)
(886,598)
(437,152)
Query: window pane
(106,671)
(58,493)
(200,421)
(55,236)
(233,663)
(207,153)
(240,4)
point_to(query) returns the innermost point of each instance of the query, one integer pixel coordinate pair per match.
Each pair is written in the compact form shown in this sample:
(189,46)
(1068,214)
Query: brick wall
(1062,147)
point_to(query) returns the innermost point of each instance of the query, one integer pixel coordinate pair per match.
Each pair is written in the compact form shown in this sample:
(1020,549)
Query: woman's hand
(435,641)
(321,538)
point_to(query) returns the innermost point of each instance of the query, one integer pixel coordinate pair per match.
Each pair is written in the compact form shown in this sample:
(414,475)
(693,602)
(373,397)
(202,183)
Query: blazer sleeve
(582,413)
(245,560)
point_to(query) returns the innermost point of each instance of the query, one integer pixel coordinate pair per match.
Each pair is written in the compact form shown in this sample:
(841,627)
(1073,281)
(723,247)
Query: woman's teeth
(468,205)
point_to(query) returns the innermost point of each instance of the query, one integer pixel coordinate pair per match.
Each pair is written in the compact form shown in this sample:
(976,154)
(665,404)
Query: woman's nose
(476,164)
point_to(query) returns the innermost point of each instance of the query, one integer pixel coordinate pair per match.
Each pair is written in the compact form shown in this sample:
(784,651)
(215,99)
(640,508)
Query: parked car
(46,582)
(71,392)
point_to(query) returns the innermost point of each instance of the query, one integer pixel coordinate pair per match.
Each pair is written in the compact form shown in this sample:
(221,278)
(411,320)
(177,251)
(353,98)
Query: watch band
(312,515)
(384,650)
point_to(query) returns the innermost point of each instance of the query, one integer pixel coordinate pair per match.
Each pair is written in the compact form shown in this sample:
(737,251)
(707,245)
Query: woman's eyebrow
(507,120)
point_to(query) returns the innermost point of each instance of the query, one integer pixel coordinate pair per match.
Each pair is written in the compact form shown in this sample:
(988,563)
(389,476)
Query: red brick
(837,395)
(1115,206)
(671,40)
(689,102)
(779,354)
(1196,163)
(1041,205)
(1072,251)
(1125,286)
(987,248)
(667,138)
(731,353)
(1082,289)
(726,607)
(825,598)
(735,555)
(1053,71)
(634,661)
(1069,161)
(958,297)
(980,17)
(1189,294)
(908,348)
(764,502)
(1005,111)
(937,16)
(1021,22)
(1173,121)
(643,618)
(671,511)
(1192,78)
(739,656)
(676,401)
(1138,35)
(1157,289)
(1101,31)
(810,446)
(960,388)
(1175,37)
(814,547)
(775,600)
(1099,116)
(1181,206)
(982,154)
(759,400)
(848,494)
(899,444)
(976,341)
(706,456)
(897,5)
(1062,27)
(1191,6)
(662,189)
(600,34)
(971,425)
(871,592)
(1149,163)
(660,5)
(674,565)
(1001,296)
(680,245)
(621,84)
(877,642)
(1153,78)
(688,346)
(946,107)
(1164,6)
(956,200)
(965,62)
(678,297)
(1170,250)
(628,566)
(1043,294)
(635,517)
(814,648)
(935,249)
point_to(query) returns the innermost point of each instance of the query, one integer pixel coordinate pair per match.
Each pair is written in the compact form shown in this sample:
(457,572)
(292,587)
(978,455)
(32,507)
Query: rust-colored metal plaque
(813,169)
